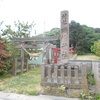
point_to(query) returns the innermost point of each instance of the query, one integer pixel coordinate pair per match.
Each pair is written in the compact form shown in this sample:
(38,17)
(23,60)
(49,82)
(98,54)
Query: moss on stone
(73,93)
(53,91)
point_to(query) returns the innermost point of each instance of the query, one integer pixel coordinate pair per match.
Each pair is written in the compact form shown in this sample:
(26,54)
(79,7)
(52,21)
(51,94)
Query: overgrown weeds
(90,77)
(26,83)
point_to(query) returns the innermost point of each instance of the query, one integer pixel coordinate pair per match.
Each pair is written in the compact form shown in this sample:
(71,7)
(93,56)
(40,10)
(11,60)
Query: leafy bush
(3,56)
(90,77)
(62,88)
(9,64)
(81,53)
(84,96)
(97,97)
(96,48)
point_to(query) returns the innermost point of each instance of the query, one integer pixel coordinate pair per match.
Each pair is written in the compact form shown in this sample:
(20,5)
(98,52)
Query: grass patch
(70,55)
(26,83)
(87,57)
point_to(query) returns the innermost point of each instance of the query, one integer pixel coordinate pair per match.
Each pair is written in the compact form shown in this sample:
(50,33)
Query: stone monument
(64,78)
(64,37)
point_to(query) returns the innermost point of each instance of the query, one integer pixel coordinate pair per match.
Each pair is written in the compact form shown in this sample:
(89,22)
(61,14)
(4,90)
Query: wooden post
(14,66)
(22,58)
(27,65)
(42,73)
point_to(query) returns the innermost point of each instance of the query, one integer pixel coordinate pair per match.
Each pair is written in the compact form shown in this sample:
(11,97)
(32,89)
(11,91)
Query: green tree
(75,31)
(21,30)
(77,37)
(96,48)
(52,32)
(1,28)
(97,30)
(8,33)
(82,37)
(88,30)
(89,39)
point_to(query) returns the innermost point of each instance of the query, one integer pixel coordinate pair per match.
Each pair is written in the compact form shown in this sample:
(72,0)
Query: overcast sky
(83,11)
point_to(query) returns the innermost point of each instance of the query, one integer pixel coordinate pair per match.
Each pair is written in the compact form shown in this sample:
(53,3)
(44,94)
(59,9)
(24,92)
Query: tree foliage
(97,30)
(96,48)
(81,37)
(21,29)
(53,32)
(3,55)
(77,37)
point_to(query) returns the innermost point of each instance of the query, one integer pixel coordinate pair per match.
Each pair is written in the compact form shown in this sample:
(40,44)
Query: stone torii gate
(34,41)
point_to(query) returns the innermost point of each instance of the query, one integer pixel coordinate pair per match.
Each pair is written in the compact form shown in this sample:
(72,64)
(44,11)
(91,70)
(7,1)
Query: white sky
(83,11)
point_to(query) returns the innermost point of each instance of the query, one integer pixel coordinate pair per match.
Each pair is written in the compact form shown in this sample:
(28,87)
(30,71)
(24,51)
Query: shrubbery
(3,56)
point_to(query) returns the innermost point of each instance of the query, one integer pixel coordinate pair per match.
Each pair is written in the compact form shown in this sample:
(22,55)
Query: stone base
(74,93)
(54,91)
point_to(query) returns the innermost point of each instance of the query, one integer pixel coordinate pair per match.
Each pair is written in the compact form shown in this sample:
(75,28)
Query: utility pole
(44,29)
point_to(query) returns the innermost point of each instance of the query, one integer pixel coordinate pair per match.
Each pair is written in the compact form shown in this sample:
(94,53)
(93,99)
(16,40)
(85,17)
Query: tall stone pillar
(64,37)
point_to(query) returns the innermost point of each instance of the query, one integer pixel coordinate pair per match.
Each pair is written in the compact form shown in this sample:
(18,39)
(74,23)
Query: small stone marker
(64,37)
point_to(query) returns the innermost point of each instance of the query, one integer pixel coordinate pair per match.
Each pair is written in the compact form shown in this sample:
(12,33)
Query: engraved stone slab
(64,37)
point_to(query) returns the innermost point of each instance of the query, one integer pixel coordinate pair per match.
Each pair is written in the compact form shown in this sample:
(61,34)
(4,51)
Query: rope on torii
(35,54)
